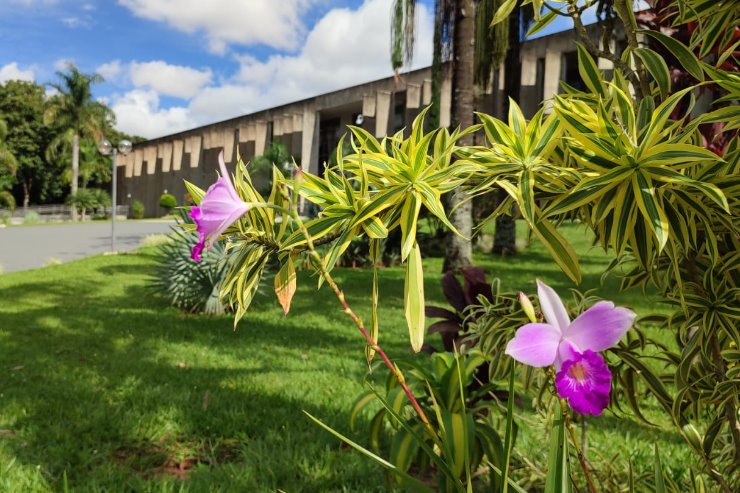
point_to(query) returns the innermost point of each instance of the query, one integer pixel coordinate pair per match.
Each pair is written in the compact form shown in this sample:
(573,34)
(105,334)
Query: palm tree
(74,112)
(476,49)
(7,168)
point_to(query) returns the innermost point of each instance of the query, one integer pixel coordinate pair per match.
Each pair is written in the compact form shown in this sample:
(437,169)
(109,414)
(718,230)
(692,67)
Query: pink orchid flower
(583,377)
(219,209)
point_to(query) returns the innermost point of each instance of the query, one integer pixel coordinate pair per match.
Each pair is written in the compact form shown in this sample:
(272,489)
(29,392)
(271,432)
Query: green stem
(319,262)
(579,452)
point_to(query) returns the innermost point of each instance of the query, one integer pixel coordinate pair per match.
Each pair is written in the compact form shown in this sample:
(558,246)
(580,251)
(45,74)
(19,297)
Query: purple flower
(544,344)
(219,209)
(582,375)
(586,382)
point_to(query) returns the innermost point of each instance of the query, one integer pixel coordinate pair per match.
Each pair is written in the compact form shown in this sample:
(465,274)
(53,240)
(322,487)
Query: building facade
(311,128)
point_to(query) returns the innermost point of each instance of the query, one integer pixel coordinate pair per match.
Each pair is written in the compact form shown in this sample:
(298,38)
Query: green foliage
(89,199)
(625,159)
(31,217)
(137,209)
(167,201)
(464,419)
(189,285)
(22,106)
(260,169)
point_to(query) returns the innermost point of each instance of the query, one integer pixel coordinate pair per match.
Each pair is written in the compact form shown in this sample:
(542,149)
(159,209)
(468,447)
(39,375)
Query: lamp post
(106,149)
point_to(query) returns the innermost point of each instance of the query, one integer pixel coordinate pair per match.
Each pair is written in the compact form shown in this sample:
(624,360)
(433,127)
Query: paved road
(29,247)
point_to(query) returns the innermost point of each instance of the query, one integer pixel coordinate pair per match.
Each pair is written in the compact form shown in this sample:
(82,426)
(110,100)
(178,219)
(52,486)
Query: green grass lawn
(107,388)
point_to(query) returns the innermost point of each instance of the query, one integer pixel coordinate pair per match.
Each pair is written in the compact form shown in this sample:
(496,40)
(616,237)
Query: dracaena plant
(625,157)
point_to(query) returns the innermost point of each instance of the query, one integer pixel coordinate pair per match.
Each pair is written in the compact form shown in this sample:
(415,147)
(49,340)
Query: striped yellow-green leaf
(503,12)
(589,72)
(407,480)
(374,326)
(650,208)
(562,252)
(408,220)
(414,298)
(285,284)
(657,68)
(684,56)
(542,23)
(558,467)
(195,192)
(361,402)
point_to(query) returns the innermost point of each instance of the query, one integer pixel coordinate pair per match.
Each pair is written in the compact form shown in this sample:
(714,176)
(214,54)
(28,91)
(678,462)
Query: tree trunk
(459,250)
(504,240)
(75,169)
(26,193)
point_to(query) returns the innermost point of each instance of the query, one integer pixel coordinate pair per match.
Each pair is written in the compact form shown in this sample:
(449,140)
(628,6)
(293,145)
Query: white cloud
(73,22)
(12,71)
(138,112)
(346,47)
(225,21)
(63,64)
(171,80)
(110,71)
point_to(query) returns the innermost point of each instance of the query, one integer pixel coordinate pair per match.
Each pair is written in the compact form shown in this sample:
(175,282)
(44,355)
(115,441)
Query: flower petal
(600,327)
(552,306)
(534,344)
(566,351)
(585,381)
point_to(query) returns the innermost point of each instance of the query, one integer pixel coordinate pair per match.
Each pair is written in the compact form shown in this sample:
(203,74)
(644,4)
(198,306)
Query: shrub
(167,201)
(190,286)
(31,217)
(137,209)
(89,199)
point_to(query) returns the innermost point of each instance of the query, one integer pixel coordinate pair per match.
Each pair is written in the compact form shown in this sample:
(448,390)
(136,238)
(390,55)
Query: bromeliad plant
(626,158)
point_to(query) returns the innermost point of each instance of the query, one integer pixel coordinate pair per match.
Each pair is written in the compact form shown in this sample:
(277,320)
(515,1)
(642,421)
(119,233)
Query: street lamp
(106,149)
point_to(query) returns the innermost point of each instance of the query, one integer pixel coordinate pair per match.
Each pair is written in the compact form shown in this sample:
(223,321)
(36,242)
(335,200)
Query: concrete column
(552,77)
(192,145)
(287,124)
(309,147)
(260,138)
(164,151)
(413,96)
(177,154)
(150,155)
(383,110)
(128,163)
(227,140)
(368,105)
(426,92)
(138,161)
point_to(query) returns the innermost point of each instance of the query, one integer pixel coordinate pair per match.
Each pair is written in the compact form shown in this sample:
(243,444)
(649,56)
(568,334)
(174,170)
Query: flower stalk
(579,450)
(319,262)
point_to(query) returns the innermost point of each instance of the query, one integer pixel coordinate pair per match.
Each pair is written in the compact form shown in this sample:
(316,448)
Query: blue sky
(170,65)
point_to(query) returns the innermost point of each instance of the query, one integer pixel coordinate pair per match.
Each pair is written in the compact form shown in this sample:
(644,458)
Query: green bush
(168,201)
(137,209)
(32,217)
(89,199)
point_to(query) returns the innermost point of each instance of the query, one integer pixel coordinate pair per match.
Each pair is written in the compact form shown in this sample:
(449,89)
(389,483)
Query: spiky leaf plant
(186,284)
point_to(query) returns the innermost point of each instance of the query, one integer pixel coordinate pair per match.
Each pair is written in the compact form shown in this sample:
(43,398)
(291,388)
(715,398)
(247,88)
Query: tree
(7,168)
(22,105)
(74,113)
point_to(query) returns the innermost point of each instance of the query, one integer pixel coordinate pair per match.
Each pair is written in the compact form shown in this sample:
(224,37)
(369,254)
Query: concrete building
(311,128)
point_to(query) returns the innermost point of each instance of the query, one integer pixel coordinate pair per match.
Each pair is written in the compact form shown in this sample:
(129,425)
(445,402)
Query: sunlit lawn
(106,388)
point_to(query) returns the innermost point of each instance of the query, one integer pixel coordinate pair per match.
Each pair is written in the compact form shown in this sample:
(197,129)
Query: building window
(569,70)
(540,80)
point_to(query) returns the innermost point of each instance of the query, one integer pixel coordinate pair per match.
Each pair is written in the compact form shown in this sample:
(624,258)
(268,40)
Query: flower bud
(527,307)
